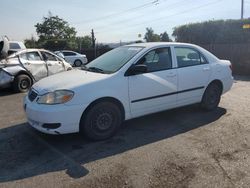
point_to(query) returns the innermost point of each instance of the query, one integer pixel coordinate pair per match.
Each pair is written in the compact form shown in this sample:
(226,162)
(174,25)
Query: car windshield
(113,60)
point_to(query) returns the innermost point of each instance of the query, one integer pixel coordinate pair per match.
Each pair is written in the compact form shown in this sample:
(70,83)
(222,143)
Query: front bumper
(41,117)
(5,79)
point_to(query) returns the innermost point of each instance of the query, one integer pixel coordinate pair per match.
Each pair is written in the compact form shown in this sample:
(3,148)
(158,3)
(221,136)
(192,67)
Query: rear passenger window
(69,54)
(188,57)
(157,60)
(31,56)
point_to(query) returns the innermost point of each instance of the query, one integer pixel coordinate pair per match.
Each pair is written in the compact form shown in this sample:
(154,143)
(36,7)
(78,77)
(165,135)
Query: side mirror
(137,69)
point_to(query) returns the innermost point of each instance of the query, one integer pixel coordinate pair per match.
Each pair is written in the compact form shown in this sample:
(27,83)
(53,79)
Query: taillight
(231,67)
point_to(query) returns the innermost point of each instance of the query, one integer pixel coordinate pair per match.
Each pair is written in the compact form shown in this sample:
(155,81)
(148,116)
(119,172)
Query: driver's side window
(157,60)
(49,57)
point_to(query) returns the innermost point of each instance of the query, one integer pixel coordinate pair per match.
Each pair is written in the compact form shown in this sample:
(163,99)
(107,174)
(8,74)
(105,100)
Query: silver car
(73,58)
(21,69)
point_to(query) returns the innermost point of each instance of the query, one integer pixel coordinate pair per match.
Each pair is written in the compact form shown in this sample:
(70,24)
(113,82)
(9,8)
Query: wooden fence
(238,54)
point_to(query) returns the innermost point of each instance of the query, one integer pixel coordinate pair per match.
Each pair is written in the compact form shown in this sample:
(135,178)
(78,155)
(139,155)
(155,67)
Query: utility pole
(93,41)
(242,9)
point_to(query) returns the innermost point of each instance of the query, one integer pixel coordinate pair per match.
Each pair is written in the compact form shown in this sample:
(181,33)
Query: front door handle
(27,63)
(171,74)
(49,64)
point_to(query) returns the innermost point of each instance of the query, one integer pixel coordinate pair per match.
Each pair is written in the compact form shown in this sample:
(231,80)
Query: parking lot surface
(185,147)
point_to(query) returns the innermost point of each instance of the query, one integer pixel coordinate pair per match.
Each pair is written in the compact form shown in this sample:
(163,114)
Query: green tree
(55,33)
(84,42)
(164,37)
(211,32)
(31,42)
(150,36)
(53,27)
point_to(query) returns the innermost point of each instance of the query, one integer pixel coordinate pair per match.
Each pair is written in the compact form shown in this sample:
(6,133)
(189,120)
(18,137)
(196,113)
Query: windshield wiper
(84,67)
(95,69)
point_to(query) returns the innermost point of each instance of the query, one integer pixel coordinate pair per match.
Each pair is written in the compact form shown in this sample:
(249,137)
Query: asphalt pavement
(184,147)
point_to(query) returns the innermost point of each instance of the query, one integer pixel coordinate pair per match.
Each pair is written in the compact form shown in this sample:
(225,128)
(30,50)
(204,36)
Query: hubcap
(24,84)
(104,121)
(78,63)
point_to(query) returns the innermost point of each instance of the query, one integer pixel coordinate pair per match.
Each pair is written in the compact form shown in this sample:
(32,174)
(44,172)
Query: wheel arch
(110,99)
(217,82)
(25,73)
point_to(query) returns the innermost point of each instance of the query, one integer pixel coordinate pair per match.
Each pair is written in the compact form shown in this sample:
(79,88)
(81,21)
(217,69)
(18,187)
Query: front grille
(32,95)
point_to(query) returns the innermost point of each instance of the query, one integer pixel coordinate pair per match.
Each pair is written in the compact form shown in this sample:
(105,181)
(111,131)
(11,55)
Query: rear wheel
(22,83)
(211,97)
(77,63)
(101,121)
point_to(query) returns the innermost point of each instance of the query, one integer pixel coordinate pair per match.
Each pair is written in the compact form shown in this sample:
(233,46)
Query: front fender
(5,78)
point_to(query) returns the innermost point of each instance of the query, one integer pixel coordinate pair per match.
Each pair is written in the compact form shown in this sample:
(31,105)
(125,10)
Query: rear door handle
(27,63)
(49,64)
(206,69)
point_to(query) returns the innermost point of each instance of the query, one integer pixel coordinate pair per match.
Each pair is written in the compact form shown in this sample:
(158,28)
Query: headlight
(56,97)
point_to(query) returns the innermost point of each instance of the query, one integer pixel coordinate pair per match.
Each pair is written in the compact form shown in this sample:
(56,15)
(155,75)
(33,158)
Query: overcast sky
(114,20)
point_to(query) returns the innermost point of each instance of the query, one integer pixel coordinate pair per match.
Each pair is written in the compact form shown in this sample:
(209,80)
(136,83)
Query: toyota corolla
(127,82)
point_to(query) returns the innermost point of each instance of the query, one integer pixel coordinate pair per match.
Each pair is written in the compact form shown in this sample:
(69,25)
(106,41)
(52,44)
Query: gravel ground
(184,147)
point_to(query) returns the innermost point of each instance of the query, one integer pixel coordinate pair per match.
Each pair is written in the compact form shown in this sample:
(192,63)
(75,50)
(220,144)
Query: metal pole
(242,9)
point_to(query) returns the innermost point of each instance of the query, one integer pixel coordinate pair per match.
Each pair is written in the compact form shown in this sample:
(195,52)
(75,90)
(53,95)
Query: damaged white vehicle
(21,69)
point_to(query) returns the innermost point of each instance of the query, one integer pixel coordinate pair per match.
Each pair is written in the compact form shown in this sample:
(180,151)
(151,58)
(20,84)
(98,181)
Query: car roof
(30,50)
(211,57)
(155,44)
(68,51)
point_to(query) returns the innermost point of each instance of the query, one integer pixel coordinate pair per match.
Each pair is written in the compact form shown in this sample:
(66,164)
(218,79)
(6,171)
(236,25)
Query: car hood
(67,80)
(10,61)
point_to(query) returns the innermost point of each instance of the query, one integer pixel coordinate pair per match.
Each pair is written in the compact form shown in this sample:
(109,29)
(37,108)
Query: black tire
(211,97)
(77,63)
(101,121)
(22,83)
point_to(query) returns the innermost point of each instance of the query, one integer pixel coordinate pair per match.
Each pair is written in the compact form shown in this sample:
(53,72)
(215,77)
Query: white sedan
(125,83)
(74,58)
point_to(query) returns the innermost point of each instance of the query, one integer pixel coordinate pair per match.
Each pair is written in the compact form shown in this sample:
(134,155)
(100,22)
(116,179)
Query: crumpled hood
(9,62)
(67,80)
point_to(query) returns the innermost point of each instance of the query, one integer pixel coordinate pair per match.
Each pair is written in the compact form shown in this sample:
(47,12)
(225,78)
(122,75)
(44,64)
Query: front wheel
(101,121)
(211,97)
(77,63)
(22,83)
